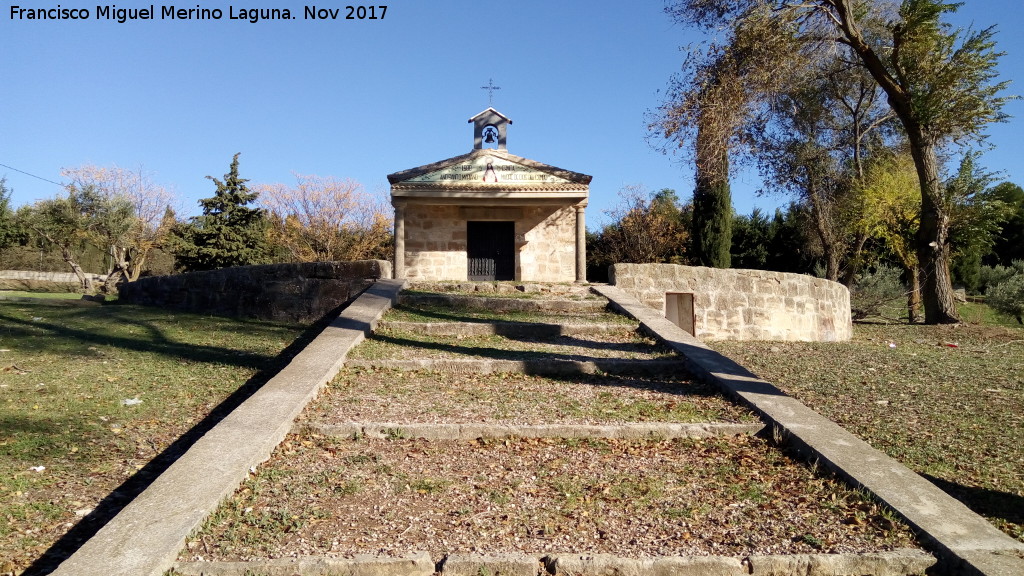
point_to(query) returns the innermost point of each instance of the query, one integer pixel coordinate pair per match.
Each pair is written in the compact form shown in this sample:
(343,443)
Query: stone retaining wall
(46,276)
(301,292)
(43,281)
(737,304)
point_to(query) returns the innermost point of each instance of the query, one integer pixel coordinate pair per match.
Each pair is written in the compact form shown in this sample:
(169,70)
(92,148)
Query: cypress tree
(712,216)
(229,232)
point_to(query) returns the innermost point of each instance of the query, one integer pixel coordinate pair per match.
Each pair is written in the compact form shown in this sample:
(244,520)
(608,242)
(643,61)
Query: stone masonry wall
(435,241)
(549,254)
(301,292)
(67,277)
(745,304)
(34,281)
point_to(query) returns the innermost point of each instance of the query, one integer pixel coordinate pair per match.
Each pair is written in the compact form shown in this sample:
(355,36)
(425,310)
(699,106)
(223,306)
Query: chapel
(490,215)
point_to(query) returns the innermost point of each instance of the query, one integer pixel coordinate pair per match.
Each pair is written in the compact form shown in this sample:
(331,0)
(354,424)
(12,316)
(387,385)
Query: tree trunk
(120,270)
(932,246)
(914,295)
(933,253)
(821,225)
(853,268)
(135,261)
(84,279)
(110,284)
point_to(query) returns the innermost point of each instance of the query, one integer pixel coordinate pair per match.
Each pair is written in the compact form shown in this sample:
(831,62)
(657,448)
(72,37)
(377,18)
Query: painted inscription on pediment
(488,170)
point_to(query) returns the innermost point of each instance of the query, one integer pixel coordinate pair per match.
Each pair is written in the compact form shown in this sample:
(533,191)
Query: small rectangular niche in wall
(679,311)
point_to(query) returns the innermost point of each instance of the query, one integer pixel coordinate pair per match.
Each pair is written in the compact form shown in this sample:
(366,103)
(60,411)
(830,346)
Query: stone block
(490,565)
(594,565)
(697,566)
(609,565)
(894,563)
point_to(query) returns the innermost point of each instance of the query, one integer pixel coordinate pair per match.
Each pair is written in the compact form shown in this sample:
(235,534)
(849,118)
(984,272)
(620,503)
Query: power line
(33,175)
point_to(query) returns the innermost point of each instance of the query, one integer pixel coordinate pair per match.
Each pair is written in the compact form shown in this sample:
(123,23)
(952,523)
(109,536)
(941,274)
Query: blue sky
(362,99)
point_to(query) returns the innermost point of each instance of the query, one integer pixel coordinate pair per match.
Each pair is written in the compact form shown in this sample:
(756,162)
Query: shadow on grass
(479,315)
(137,483)
(989,503)
(502,354)
(31,335)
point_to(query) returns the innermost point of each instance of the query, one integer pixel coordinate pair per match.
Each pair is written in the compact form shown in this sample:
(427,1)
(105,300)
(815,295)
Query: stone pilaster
(581,243)
(399,241)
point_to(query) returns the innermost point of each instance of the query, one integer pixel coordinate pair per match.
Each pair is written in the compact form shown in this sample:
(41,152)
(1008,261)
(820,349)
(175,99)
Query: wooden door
(490,247)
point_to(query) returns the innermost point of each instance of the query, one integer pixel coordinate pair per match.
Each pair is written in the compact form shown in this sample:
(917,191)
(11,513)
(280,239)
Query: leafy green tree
(1009,241)
(67,224)
(9,230)
(1007,296)
(892,218)
(646,228)
(940,83)
(751,240)
(815,146)
(128,248)
(228,233)
(711,238)
(778,243)
(976,217)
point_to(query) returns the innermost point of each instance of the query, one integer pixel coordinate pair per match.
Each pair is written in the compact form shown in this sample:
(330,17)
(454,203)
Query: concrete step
(573,291)
(551,367)
(894,563)
(498,304)
(431,431)
(513,329)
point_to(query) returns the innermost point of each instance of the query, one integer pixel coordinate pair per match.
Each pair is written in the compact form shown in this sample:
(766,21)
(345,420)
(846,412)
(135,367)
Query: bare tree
(147,201)
(325,218)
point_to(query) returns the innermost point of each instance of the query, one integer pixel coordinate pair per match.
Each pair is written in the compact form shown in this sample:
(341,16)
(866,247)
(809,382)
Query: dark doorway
(491,248)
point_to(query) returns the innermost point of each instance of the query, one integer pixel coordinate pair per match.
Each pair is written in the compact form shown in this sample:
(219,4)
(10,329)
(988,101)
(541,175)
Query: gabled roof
(510,172)
(491,111)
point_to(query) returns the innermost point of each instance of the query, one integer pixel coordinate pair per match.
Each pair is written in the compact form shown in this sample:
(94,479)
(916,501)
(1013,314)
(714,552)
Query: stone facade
(302,292)
(444,211)
(436,242)
(548,254)
(745,304)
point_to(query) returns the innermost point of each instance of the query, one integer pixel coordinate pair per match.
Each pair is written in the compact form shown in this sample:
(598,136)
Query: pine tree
(229,232)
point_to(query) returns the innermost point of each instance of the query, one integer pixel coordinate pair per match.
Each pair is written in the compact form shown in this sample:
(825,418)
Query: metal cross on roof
(490,91)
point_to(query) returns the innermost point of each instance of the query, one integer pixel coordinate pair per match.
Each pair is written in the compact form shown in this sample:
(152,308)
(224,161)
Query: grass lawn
(4,294)
(89,396)
(948,401)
